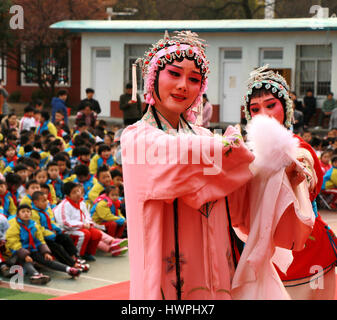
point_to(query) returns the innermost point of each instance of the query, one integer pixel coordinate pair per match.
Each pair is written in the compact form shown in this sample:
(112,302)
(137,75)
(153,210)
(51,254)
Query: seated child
(54,179)
(14,182)
(46,125)
(74,219)
(41,176)
(83,156)
(4,225)
(61,161)
(104,156)
(7,203)
(31,187)
(22,171)
(330,178)
(60,244)
(104,180)
(9,160)
(81,175)
(25,240)
(106,211)
(325,161)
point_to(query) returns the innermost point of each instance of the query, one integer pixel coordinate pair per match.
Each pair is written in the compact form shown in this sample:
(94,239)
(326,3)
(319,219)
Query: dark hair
(69,186)
(59,157)
(128,86)
(24,138)
(83,151)
(87,104)
(28,148)
(101,169)
(28,109)
(102,148)
(52,164)
(3,182)
(45,115)
(333,159)
(19,167)
(36,195)
(81,170)
(13,179)
(116,173)
(315,142)
(44,186)
(35,155)
(82,123)
(108,189)
(30,182)
(28,162)
(89,90)
(62,93)
(38,102)
(23,206)
(12,137)
(257,93)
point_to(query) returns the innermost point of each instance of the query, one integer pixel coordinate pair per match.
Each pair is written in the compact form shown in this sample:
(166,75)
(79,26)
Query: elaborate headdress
(273,82)
(184,44)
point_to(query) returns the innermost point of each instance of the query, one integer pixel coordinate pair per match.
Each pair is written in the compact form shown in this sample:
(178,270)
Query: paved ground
(106,270)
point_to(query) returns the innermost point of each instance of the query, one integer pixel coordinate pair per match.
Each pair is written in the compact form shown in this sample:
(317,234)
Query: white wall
(249,42)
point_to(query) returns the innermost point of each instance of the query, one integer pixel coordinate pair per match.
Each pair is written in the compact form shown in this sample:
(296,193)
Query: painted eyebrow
(181,68)
(270,99)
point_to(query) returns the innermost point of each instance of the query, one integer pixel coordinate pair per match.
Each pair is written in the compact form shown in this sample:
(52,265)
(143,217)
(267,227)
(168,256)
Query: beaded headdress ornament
(273,82)
(183,44)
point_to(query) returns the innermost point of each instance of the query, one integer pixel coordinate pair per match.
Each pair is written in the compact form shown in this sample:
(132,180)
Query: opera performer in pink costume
(176,179)
(310,272)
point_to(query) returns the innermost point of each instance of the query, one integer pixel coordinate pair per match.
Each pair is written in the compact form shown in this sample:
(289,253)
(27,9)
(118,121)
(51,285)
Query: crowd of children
(61,193)
(326,150)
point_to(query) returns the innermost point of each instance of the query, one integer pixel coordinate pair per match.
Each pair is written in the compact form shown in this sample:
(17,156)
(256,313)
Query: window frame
(34,84)
(316,60)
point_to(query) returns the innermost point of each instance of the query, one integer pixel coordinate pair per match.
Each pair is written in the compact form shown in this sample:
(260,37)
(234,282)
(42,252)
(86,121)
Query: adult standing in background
(132,111)
(309,102)
(4,93)
(90,98)
(58,103)
(207,111)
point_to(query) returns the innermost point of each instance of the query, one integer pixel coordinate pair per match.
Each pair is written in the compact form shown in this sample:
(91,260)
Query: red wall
(13,78)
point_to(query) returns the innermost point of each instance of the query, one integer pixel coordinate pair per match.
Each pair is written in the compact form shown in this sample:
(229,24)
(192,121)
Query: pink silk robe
(206,260)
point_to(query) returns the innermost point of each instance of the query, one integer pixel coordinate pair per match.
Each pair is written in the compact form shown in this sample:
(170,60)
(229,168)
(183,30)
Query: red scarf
(14,197)
(47,218)
(14,159)
(2,197)
(77,206)
(83,162)
(31,239)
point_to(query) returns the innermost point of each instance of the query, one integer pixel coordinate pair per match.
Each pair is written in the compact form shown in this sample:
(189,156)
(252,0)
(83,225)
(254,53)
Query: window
(233,54)
(49,65)
(131,54)
(3,74)
(271,56)
(314,69)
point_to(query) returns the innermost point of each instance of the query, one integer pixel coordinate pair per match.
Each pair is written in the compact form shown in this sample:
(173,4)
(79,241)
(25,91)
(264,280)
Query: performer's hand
(295,174)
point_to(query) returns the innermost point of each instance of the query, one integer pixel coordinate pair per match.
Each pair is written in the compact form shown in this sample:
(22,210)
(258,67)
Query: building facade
(303,50)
